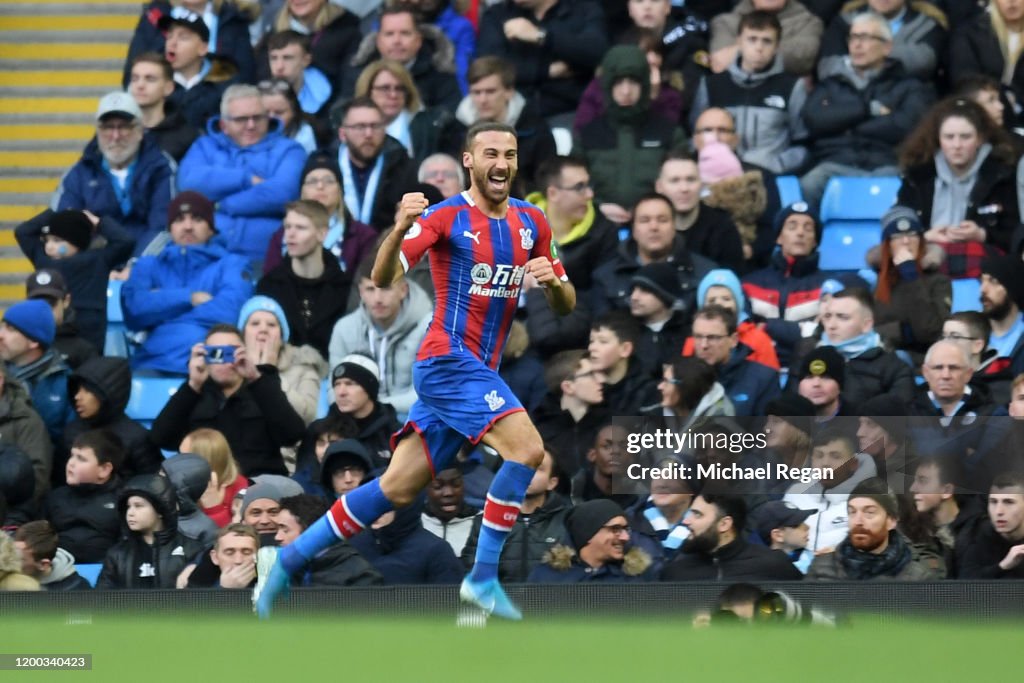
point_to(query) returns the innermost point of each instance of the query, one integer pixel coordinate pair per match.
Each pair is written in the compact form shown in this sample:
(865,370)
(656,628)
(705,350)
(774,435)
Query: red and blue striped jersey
(477,265)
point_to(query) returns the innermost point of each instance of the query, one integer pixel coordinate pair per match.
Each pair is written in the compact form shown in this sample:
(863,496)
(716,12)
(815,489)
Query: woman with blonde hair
(421,130)
(225,479)
(227,21)
(991,44)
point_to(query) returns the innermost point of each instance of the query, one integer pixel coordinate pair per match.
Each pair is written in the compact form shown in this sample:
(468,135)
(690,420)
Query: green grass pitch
(232,649)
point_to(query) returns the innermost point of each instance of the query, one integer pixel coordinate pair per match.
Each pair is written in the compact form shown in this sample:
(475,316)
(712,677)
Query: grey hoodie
(394,348)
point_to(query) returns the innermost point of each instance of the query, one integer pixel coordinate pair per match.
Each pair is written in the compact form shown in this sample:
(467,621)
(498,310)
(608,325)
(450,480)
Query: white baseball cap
(118,102)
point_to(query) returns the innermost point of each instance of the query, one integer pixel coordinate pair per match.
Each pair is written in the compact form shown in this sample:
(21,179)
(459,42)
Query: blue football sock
(504,499)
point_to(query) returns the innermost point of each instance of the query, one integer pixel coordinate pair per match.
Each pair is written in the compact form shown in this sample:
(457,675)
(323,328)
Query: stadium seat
(844,244)
(858,199)
(966,295)
(89,572)
(789,189)
(116,342)
(149,395)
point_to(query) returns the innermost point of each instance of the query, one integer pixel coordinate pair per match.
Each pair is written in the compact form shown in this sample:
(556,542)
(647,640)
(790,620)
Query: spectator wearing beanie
(356,385)
(347,239)
(48,285)
(912,297)
(191,284)
(721,287)
(60,241)
(1002,300)
(27,331)
(266,333)
(601,549)
(874,550)
(786,294)
(820,378)
(624,146)
(656,302)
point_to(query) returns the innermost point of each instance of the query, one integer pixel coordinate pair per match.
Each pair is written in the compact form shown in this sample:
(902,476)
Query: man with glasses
(375,168)
(493,97)
(601,549)
(443,172)
(858,116)
(122,175)
(919,36)
(748,384)
(248,168)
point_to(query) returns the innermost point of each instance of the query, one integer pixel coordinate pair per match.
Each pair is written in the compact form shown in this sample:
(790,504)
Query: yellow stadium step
(72,22)
(7,239)
(63,51)
(14,213)
(55,79)
(48,105)
(54,131)
(9,266)
(28,185)
(12,292)
(133,4)
(35,159)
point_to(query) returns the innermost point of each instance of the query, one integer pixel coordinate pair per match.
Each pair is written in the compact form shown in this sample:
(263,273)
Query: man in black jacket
(339,565)
(718,551)
(540,526)
(356,385)
(375,169)
(152,82)
(242,400)
(858,116)
(310,284)
(993,548)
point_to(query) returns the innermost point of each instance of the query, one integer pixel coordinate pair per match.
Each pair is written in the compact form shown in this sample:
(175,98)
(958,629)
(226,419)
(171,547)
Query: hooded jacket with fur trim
(561,564)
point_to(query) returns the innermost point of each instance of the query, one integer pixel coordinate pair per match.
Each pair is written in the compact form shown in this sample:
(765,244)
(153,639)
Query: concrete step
(68,51)
(27,198)
(16,214)
(94,91)
(61,78)
(39,185)
(48,105)
(57,9)
(37,160)
(123,22)
(47,132)
(87,36)
(48,64)
(19,119)
(75,146)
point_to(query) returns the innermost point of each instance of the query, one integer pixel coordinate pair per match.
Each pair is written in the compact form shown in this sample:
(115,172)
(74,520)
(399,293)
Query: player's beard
(480,179)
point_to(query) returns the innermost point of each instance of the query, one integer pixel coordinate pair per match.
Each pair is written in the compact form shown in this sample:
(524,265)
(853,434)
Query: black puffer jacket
(530,539)
(340,565)
(85,518)
(133,563)
(736,561)
(17,485)
(110,380)
(190,475)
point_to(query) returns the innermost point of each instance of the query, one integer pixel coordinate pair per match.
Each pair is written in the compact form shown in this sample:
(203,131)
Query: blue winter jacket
(748,384)
(460,31)
(247,214)
(88,186)
(157,298)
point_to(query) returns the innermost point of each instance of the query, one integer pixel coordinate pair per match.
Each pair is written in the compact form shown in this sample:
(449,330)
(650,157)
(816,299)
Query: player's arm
(387,268)
(561,295)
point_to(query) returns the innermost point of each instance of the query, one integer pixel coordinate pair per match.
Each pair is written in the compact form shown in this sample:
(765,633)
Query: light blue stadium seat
(844,244)
(966,295)
(89,572)
(789,189)
(149,396)
(326,398)
(116,343)
(858,199)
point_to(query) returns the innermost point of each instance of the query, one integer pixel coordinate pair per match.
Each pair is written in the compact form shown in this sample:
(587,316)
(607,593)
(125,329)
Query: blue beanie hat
(264,303)
(802,208)
(34,319)
(723,277)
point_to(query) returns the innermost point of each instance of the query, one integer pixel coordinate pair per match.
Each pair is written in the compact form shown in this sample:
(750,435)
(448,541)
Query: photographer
(228,392)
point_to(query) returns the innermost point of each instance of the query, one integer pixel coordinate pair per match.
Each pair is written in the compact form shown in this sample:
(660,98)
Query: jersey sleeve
(547,247)
(424,233)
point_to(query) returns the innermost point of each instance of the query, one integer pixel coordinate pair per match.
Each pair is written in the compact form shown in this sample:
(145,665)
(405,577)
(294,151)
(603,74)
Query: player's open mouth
(497,182)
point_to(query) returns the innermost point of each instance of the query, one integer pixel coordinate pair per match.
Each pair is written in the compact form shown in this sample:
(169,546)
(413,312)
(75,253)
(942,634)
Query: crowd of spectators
(236,192)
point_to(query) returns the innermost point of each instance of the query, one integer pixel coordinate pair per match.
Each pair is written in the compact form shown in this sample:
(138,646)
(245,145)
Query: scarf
(851,348)
(670,535)
(30,372)
(123,191)
(360,206)
(861,565)
(952,192)
(399,130)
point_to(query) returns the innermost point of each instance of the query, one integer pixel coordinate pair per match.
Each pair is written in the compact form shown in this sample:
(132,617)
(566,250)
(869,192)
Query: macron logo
(475,236)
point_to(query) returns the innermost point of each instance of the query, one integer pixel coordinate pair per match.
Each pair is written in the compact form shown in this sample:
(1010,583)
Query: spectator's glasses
(617,529)
(710,338)
(120,128)
(254,119)
(946,368)
(717,130)
(578,188)
(389,89)
(440,174)
(956,336)
(363,128)
(320,181)
(270,87)
(864,37)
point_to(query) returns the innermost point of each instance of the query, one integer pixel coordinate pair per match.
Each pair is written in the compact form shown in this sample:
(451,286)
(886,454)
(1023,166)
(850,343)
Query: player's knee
(530,453)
